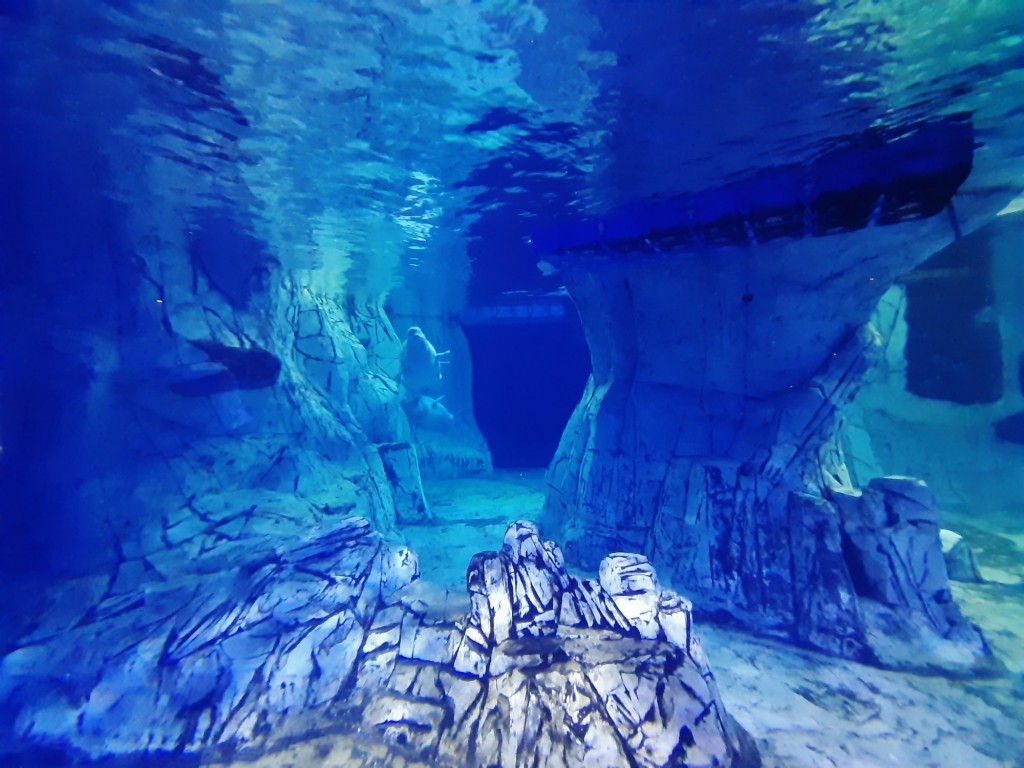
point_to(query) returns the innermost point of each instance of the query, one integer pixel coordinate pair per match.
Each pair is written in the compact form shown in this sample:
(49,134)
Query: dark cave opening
(530,364)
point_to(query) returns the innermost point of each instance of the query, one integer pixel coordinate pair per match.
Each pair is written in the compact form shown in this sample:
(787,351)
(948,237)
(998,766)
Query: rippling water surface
(336,131)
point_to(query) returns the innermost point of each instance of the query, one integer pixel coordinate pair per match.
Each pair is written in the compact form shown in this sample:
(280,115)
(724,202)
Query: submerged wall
(176,330)
(708,439)
(185,394)
(949,443)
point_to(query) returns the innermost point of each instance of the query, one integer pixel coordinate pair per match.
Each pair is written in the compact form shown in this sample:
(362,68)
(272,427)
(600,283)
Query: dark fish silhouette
(234,368)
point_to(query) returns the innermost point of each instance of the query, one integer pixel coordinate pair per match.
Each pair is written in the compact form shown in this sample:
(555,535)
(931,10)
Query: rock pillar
(706,438)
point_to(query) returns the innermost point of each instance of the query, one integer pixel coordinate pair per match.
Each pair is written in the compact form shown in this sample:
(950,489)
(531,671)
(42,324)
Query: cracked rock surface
(894,552)
(752,511)
(334,634)
(708,436)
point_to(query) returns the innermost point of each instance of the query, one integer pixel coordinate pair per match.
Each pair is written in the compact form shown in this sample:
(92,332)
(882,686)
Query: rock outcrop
(893,551)
(333,633)
(708,437)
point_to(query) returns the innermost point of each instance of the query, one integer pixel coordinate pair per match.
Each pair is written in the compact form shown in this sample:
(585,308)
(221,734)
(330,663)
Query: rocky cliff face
(256,646)
(707,437)
(204,380)
(217,406)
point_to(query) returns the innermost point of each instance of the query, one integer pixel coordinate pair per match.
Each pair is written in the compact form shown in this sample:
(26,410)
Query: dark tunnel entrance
(530,364)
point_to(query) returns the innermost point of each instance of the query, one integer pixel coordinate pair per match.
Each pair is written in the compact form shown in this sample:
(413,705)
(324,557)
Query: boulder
(895,558)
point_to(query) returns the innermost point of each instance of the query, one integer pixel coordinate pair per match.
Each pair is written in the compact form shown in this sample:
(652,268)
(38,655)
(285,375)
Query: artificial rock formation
(893,554)
(256,647)
(181,324)
(708,435)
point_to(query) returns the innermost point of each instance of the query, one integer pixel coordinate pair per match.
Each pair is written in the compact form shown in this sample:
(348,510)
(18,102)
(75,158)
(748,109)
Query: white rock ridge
(335,633)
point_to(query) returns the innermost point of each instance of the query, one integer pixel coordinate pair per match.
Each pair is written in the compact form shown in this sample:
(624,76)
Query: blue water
(379,150)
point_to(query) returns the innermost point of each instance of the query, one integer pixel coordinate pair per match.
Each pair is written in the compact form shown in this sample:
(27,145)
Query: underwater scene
(500,383)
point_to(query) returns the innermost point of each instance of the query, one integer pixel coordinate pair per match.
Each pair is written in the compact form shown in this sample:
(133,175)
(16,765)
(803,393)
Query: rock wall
(708,436)
(217,404)
(159,357)
(187,312)
(203,381)
(332,633)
